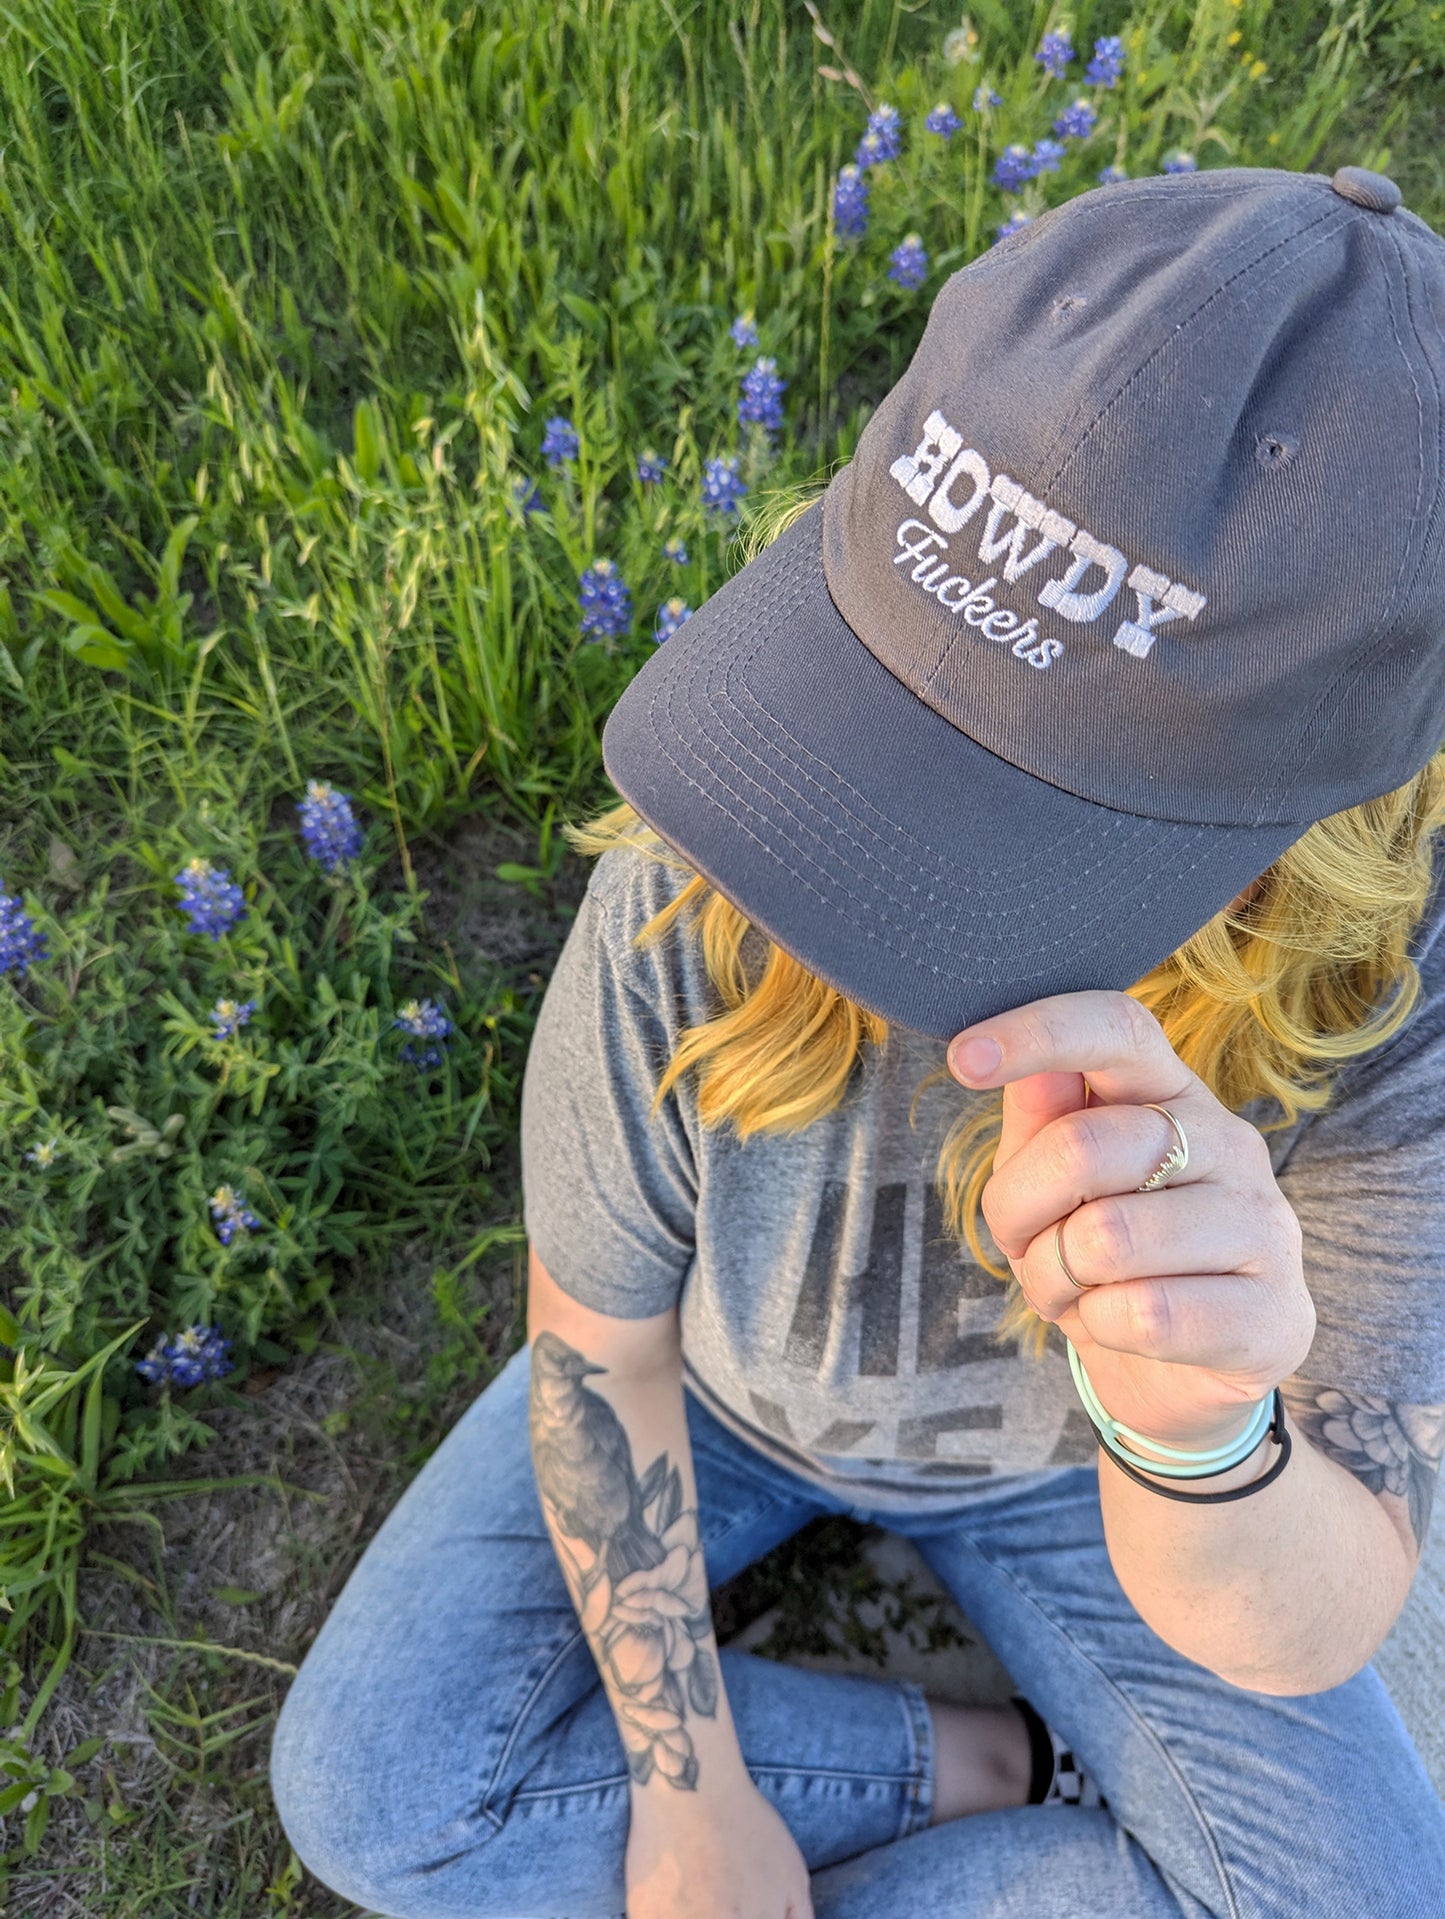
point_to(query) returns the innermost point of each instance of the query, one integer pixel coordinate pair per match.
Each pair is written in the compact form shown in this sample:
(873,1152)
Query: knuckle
(1148,1315)
(1078,1148)
(1107,1236)
(1133,1028)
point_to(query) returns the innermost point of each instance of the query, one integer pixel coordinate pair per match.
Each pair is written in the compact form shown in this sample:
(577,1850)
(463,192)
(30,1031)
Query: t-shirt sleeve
(1367,1181)
(609,1193)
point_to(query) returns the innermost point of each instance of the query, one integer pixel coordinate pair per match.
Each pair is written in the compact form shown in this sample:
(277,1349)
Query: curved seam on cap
(1172,337)
(918,930)
(1313,724)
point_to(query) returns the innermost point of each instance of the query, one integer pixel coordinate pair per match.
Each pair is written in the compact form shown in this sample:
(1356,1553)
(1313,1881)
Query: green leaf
(69,607)
(235,1595)
(9,1328)
(97,647)
(587,311)
(367,440)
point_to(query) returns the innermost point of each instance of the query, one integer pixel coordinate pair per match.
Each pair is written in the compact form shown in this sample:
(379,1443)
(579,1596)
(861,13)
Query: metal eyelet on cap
(1373,191)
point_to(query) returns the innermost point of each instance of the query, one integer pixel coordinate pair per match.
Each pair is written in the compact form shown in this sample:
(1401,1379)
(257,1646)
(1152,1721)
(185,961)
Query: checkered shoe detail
(1072,1786)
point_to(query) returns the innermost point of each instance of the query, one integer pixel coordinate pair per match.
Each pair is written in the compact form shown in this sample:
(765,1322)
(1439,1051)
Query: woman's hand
(1194,1304)
(723,1854)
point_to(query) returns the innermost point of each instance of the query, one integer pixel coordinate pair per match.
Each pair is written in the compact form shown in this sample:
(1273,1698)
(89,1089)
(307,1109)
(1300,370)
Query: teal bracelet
(1199,1464)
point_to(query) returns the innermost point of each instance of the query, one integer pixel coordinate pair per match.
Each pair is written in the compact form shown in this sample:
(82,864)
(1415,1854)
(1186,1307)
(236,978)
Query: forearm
(614,1471)
(1289,1591)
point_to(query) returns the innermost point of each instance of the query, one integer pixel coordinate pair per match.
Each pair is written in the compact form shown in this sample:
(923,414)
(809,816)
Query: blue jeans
(447,1751)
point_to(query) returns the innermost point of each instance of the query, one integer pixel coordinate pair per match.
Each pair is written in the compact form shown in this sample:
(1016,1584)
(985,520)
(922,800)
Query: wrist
(1244,1474)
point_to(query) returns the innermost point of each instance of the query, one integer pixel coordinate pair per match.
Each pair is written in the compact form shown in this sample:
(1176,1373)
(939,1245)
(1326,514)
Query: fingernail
(976,1058)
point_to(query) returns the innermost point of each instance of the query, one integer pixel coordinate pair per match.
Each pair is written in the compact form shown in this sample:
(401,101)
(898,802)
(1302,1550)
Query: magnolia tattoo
(1390,1445)
(629,1551)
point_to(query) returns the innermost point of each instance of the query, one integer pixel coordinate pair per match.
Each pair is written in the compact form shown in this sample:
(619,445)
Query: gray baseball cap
(1137,572)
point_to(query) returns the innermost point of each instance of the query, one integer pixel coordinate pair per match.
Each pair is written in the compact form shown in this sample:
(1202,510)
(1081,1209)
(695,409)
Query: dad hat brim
(924,877)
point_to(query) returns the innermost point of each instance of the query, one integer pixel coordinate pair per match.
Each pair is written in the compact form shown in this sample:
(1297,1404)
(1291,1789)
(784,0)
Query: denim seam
(917,1811)
(568,1646)
(1141,1723)
(843,1774)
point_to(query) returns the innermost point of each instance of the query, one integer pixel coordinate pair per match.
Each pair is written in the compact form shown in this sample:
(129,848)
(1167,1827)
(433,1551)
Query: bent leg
(447,1750)
(1222,1801)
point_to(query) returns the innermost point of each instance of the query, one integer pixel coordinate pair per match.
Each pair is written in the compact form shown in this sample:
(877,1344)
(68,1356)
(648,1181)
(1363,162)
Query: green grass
(289,288)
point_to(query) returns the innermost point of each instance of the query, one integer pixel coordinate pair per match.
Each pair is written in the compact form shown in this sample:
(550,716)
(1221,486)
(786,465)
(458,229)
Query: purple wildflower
(1109,175)
(1055,52)
(559,441)
(526,496)
(676,551)
(984,96)
(1181,163)
(43,1154)
(210,898)
(761,403)
(744,333)
(1013,169)
(1076,122)
(1108,62)
(721,487)
(422,1019)
(197,1354)
(943,121)
(670,616)
(1018,218)
(850,203)
(650,467)
(910,262)
(606,601)
(228,1016)
(328,826)
(20,944)
(231,1214)
(882,139)
(1047,155)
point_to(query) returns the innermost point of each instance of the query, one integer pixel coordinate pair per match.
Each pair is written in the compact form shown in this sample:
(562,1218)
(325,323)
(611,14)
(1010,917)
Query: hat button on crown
(1366,189)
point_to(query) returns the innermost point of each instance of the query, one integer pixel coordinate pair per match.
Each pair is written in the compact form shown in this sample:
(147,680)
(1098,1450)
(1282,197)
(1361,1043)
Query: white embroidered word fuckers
(954,481)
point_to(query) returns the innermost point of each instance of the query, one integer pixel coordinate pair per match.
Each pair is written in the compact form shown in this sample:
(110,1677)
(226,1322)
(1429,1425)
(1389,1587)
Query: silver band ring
(1174,1161)
(1059,1249)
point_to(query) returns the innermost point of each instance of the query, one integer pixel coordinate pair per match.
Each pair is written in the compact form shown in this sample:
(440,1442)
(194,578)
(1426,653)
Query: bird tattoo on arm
(630,1552)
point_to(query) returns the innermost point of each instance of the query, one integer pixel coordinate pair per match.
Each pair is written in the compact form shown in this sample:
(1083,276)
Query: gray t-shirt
(826,1316)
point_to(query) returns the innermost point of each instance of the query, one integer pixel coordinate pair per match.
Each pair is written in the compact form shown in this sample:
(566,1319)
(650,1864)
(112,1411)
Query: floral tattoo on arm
(629,1551)
(1391,1446)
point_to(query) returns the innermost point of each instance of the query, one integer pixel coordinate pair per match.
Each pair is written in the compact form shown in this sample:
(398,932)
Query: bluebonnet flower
(43,1154)
(1018,218)
(670,616)
(744,333)
(761,403)
(721,487)
(606,601)
(210,898)
(20,944)
(1108,62)
(197,1354)
(850,203)
(422,1019)
(228,1016)
(559,441)
(328,826)
(910,262)
(1076,122)
(231,1214)
(650,467)
(1055,52)
(984,96)
(676,551)
(1047,155)
(524,492)
(1181,163)
(943,121)
(1108,175)
(1013,169)
(882,139)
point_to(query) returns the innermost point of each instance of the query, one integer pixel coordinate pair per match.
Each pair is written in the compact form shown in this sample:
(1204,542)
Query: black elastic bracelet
(1275,1430)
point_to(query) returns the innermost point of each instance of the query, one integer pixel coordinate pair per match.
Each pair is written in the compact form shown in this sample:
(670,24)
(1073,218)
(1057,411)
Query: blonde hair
(1266,1002)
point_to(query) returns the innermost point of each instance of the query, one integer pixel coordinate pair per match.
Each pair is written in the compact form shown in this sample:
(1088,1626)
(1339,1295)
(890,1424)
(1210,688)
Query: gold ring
(1174,1161)
(1059,1249)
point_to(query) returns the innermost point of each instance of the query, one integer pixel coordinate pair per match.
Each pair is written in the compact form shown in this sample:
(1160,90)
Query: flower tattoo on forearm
(1389,1445)
(629,1551)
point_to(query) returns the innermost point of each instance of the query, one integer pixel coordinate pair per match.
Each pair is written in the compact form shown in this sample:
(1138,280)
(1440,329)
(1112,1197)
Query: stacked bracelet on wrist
(1183,1463)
